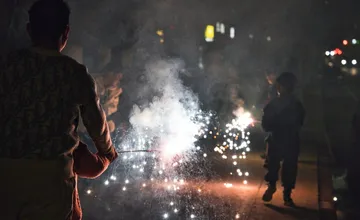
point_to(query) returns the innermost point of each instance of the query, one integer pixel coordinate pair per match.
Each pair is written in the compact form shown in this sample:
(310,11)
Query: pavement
(216,201)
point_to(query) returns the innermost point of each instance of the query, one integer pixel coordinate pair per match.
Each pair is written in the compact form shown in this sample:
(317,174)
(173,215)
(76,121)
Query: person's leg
(288,176)
(272,176)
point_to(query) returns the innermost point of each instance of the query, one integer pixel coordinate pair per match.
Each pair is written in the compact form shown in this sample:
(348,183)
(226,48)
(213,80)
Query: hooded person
(283,118)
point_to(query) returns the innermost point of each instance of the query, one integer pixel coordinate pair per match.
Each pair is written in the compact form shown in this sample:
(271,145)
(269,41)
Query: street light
(222,28)
(232,32)
(209,33)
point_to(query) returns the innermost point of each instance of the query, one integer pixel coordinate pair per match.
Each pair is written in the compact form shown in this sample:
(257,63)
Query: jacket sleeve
(94,119)
(268,118)
(87,164)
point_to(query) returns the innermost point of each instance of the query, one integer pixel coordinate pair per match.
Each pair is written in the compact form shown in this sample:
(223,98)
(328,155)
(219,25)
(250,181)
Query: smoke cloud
(169,117)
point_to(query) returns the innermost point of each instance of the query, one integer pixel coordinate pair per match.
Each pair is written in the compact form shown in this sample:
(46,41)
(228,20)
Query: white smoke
(170,116)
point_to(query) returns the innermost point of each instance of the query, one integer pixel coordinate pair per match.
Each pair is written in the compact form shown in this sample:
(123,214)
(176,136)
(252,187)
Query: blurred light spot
(232,32)
(160,33)
(209,33)
(222,28)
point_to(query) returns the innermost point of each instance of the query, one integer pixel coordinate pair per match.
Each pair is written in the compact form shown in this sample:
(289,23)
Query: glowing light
(345,42)
(343,62)
(332,53)
(192,216)
(166,215)
(335,199)
(354,41)
(338,51)
(232,32)
(237,216)
(88,191)
(228,185)
(222,28)
(209,33)
(218,28)
(354,62)
(106,182)
(160,33)
(327,53)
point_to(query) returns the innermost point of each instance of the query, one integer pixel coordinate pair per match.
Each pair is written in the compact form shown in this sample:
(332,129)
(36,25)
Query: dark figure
(283,118)
(42,95)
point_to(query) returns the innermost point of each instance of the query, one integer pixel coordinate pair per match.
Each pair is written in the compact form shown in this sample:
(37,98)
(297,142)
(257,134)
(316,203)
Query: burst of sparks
(144,169)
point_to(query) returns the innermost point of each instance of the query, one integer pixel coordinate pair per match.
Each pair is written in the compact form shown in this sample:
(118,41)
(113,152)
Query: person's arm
(94,119)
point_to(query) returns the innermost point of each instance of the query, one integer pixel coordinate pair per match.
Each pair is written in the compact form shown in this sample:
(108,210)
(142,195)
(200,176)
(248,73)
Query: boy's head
(49,23)
(286,83)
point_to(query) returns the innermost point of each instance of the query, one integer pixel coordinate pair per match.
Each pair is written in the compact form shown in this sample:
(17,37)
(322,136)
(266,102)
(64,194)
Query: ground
(215,201)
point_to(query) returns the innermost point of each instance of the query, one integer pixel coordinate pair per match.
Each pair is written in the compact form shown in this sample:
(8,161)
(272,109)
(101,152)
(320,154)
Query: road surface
(215,200)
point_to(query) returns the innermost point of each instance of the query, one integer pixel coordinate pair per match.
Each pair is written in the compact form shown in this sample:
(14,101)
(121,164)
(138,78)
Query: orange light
(345,42)
(338,51)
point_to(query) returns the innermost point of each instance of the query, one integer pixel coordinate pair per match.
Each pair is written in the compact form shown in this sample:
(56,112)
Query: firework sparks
(161,153)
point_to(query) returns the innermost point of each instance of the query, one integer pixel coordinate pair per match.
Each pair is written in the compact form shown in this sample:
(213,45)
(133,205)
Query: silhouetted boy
(283,118)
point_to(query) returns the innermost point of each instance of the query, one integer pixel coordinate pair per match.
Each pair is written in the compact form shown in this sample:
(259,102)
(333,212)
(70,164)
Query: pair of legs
(289,157)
